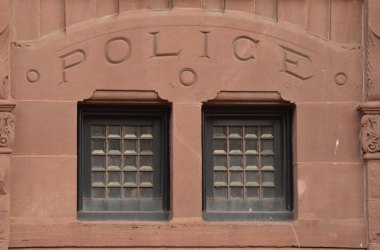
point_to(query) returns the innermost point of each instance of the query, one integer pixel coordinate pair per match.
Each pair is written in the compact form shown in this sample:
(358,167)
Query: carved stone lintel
(7,129)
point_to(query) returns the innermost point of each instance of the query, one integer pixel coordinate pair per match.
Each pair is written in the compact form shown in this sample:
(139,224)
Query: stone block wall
(55,54)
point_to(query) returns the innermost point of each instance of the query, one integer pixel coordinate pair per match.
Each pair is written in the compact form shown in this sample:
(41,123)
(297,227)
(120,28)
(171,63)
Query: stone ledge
(73,233)
(371,107)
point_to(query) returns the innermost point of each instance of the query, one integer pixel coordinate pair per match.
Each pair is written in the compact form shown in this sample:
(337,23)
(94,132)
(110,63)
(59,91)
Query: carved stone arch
(179,57)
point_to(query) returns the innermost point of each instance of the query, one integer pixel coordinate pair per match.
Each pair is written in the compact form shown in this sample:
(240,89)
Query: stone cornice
(7,105)
(371,107)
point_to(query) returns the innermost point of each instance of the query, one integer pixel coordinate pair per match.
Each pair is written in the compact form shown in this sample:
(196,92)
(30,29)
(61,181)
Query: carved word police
(118,50)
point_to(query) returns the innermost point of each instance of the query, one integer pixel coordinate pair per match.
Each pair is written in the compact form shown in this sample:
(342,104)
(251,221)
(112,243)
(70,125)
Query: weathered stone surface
(4,245)
(6,125)
(52,16)
(107,7)
(159,4)
(4,63)
(187,160)
(374,221)
(370,145)
(325,136)
(240,5)
(4,174)
(346,22)
(373,168)
(328,190)
(4,17)
(44,187)
(293,11)
(319,18)
(196,248)
(46,125)
(157,60)
(326,19)
(339,232)
(187,233)
(374,246)
(5,221)
(26,19)
(187,51)
(186,3)
(373,50)
(78,11)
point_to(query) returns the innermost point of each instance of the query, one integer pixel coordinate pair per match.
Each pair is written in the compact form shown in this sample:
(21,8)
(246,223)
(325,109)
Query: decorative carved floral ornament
(370,136)
(7,129)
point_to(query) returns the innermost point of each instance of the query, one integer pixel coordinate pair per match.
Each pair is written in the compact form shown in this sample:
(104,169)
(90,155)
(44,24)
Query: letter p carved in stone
(71,60)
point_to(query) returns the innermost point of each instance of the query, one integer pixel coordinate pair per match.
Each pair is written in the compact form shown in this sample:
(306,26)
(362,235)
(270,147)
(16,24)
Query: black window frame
(236,211)
(157,209)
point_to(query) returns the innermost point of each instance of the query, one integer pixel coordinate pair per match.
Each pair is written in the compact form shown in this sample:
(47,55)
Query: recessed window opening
(247,163)
(123,162)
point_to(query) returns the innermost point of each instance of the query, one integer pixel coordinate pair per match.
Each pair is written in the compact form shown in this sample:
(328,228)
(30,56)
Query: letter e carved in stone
(296,64)
(7,128)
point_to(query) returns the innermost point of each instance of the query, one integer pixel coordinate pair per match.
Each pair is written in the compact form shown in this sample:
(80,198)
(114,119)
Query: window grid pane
(243,162)
(122,165)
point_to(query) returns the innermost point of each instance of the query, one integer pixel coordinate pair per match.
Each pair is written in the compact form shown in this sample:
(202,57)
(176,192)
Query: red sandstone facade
(322,56)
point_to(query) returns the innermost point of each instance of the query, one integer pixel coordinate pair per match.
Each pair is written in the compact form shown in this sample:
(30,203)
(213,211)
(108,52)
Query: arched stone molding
(180,58)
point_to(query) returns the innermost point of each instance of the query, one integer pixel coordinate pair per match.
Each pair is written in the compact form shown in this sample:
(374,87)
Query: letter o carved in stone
(117,50)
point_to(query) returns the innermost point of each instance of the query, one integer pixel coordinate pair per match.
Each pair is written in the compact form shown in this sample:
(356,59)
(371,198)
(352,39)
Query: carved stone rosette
(370,128)
(7,128)
(370,134)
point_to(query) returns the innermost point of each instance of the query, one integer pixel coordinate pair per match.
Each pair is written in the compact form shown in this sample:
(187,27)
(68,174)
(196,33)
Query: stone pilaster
(370,132)
(7,125)
(370,145)
(7,130)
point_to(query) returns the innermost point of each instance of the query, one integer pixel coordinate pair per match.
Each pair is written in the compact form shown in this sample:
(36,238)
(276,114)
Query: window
(123,163)
(247,163)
